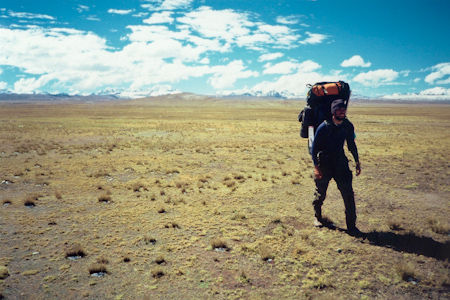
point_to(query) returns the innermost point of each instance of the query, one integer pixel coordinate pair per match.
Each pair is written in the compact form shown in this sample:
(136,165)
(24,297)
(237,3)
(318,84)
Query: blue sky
(218,47)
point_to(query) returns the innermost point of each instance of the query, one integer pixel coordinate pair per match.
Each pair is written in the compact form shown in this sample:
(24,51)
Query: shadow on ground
(409,243)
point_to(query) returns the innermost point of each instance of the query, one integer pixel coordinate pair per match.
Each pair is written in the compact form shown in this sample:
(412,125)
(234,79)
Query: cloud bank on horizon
(222,47)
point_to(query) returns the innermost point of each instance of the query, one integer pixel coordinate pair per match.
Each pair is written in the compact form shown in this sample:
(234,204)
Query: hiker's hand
(317,173)
(358,168)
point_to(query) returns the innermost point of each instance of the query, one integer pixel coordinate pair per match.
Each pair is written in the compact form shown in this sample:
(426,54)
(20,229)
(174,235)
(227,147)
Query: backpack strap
(330,124)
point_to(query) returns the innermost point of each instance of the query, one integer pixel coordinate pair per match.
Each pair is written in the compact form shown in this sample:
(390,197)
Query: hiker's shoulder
(348,124)
(325,125)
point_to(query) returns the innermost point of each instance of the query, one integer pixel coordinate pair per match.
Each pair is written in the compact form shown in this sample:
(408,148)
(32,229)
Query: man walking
(330,162)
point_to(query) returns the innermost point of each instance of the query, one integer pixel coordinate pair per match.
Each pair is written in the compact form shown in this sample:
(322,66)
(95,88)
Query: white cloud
(82,8)
(29,85)
(355,61)
(314,38)
(25,15)
(270,56)
(295,83)
(436,91)
(140,15)
(223,24)
(236,28)
(285,67)
(39,50)
(92,18)
(288,67)
(167,4)
(68,59)
(120,11)
(159,34)
(308,66)
(377,77)
(440,71)
(225,76)
(175,4)
(289,20)
(433,94)
(158,18)
(141,33)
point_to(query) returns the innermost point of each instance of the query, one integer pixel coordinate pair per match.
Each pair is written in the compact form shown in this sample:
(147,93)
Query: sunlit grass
(213,200)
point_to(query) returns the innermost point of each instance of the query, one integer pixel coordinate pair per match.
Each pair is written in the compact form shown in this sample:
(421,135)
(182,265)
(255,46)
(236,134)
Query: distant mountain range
(107,94)
(435,94)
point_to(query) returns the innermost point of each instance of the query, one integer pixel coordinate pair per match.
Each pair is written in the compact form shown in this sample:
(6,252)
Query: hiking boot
(324,222)
(317,223)
(354,231)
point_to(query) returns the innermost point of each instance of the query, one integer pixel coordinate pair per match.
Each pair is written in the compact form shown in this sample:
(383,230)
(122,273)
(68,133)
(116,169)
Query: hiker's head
(338,109)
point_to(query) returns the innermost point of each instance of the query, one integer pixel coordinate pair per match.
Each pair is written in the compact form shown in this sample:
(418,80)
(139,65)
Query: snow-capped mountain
(108,94)
(252,93)
(157,90)
(433,94)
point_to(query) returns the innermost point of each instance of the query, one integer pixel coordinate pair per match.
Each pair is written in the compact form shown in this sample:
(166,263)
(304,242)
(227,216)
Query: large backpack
(318,105)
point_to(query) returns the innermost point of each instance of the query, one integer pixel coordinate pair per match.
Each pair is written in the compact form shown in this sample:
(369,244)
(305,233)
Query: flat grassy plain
(184,197)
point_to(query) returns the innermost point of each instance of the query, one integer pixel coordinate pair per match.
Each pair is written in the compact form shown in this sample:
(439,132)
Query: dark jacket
(329,139)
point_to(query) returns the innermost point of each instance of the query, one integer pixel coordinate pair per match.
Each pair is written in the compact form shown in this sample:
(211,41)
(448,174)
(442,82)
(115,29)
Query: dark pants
(340,172)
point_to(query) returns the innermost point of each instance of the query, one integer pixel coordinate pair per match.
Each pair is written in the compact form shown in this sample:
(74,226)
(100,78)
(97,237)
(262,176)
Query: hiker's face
(340,113)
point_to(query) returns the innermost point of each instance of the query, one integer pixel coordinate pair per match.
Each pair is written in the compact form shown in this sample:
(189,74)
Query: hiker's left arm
(353,149)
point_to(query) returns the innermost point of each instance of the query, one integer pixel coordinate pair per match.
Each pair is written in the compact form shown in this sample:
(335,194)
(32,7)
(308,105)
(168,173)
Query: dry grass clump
(299,250)
(4,273)
(104,198)
(172,224)
(177,201)
(243,278)
(172,171)
(29,202)
(406,271)
(33,197)
(266,253)
(6,202)
(149,240)
(102,260)
(239,177)
(304,235)
(160,259)
(181,184)
(75,251)
(239,216)
(229,183)
(285,173)
(219,243)
(443,280)
(158,272)
(98,268)
(438,227)
(394,225)
(295,181)
(136,187)
(276,220)
(203,179)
